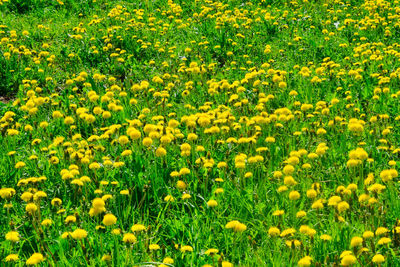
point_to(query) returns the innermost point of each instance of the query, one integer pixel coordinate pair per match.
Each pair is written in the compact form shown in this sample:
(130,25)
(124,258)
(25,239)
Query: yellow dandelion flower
(161,152)
(294,195)
(356,241)
(169,198)
(106,258)
(168,260)
(378,258)
(211,251)
(70,219)
(326,237)
(348,260)
(36,258)
(305,261)
(236,226)
(47,222)
(109,219)
(79,234)
(138,228)
(154,247)
(12,257)
(129,238)
(12,236)
(381,231)
(226,264)
(31,208)
(384,240)
(212,203)
(186,249)
(274,231)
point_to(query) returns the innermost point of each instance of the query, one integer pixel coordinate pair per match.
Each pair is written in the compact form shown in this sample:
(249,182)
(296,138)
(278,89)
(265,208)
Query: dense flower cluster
(201,133)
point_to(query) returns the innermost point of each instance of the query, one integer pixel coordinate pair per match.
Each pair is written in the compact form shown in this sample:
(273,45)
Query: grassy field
(199,133)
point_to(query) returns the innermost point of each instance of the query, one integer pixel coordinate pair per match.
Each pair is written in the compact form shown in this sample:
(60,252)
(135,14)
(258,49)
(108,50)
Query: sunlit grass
(198,133)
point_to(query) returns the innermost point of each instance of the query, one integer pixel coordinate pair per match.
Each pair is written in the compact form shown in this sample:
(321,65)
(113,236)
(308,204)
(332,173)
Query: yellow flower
(219,191)
(348,260)
(68,120)
(109,219)
(169,198)
(100,227)
(12,132)
(384,240)
(124,192)
(282,188)
(126,153)
(226,264)
(168,260)
(61,211)
(306,261)
(311,193)
(56,202)
(161,152)
(381,231)
(116,231)
(19,165)
(282,84)
(274,231)
(301,214)
(38,195)
(184,171)
(186,249)
(154,247)
(368,234)
(12,236)
(94,166)
(12,257)
(79,234)
(378,258)
(7,193)
(98,203)
(289,231)
(106,258)
(47,222)
(77,182)
(186,196)
(138,228)
(106,114)
(211,251)
(147,141)
(343,206)
(356,241)
(236,226)
(31,208)
(212,203)
(278,213)
(294,195)
(326,237)
(288,169)
(293,243)
(129,238)
(70,219)
(123,140)
(35,259)
(57,114)
(181,185)
(106,197)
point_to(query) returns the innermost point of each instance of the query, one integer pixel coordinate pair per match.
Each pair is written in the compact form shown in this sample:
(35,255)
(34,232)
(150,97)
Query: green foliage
(267,130)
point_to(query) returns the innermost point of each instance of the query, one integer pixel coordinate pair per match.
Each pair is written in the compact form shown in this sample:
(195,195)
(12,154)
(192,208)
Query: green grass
(233,73)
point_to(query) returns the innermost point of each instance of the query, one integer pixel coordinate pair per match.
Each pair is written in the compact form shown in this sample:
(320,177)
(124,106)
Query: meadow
(199,133)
